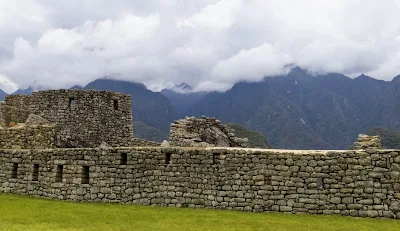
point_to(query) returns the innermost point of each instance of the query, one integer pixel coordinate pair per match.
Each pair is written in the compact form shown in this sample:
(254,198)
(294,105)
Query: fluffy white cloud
(7,85)
(211,44)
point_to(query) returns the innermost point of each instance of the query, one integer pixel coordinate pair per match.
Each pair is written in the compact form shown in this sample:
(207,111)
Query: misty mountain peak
(298,73)
(362,76)
(396,79)
(28,91)
(182,88)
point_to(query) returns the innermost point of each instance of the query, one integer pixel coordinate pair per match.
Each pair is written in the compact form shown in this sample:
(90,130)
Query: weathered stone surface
(165,144)
(137,142)
(35,120)
(203,132)
(104,145)
(26,137)
(367,142)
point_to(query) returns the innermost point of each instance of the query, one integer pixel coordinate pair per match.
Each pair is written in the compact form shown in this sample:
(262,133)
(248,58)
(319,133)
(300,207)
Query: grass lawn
(26,213)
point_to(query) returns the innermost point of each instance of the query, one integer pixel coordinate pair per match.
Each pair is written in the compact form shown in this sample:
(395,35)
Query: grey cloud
(210,44)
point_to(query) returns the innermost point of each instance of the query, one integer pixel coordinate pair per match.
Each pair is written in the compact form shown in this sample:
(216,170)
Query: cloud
(7,85)
(63,57)
(210,44)
(218,16)
(250,65)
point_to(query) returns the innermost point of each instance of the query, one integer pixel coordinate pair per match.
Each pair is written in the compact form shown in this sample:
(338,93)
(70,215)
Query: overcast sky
(210,44)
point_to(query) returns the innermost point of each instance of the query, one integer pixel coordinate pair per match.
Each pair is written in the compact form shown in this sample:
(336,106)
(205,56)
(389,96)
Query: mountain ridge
(3,95)
(297,110)
(301,110)
(182,97)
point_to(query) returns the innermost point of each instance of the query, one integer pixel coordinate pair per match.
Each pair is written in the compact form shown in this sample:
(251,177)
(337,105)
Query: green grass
(26,213)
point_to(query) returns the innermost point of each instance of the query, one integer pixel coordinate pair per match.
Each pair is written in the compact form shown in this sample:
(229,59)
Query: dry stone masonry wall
(83,118)
(203,132)
(353,182)
(137,142)
(367,142)
(12,114)
(19,101)
(28,137)
(86,118)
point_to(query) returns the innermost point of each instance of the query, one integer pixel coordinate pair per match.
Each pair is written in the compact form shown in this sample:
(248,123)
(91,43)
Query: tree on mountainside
(390,138)
(256,139)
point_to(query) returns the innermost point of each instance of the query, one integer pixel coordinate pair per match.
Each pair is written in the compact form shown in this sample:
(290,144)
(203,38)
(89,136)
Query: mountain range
(390,137)
(182,98)
(305,111)
(298,110)
(2,95)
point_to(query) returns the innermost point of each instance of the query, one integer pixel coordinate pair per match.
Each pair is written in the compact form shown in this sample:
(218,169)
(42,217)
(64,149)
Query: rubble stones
(367,142)
(165,144)
(203,132)
(104,145)
(137,142)
(35,120)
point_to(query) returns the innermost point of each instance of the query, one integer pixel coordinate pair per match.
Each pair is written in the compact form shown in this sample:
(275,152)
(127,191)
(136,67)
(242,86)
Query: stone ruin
(90,118)
(204,132)
(364,183)
(367,142)
(68,119)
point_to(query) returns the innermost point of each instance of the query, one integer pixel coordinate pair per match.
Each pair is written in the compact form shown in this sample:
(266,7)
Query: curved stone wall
(357,183)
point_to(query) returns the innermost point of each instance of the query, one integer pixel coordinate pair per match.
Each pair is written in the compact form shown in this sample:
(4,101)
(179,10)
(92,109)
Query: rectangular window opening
(115,102)
(124,158)
(59,174)
(14,172)
(35,173)
(215,158)
(72,101)
(167,158)
(85,174)
(320,183)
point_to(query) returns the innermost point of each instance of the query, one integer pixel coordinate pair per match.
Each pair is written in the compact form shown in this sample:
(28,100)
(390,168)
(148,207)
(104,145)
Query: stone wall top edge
(30,127)
(216,150)
(78,90)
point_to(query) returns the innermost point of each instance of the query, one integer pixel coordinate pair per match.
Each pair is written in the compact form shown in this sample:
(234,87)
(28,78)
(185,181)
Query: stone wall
(83,118)
(19,101)
(11,114)
(33,137)
(203,132)
(367,142)
(137,142)
(357,183)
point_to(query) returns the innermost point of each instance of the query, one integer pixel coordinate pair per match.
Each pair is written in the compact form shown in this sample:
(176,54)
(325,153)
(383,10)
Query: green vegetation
(143,131)
(390,138)
(25,213)
(256,139)
(301,110)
